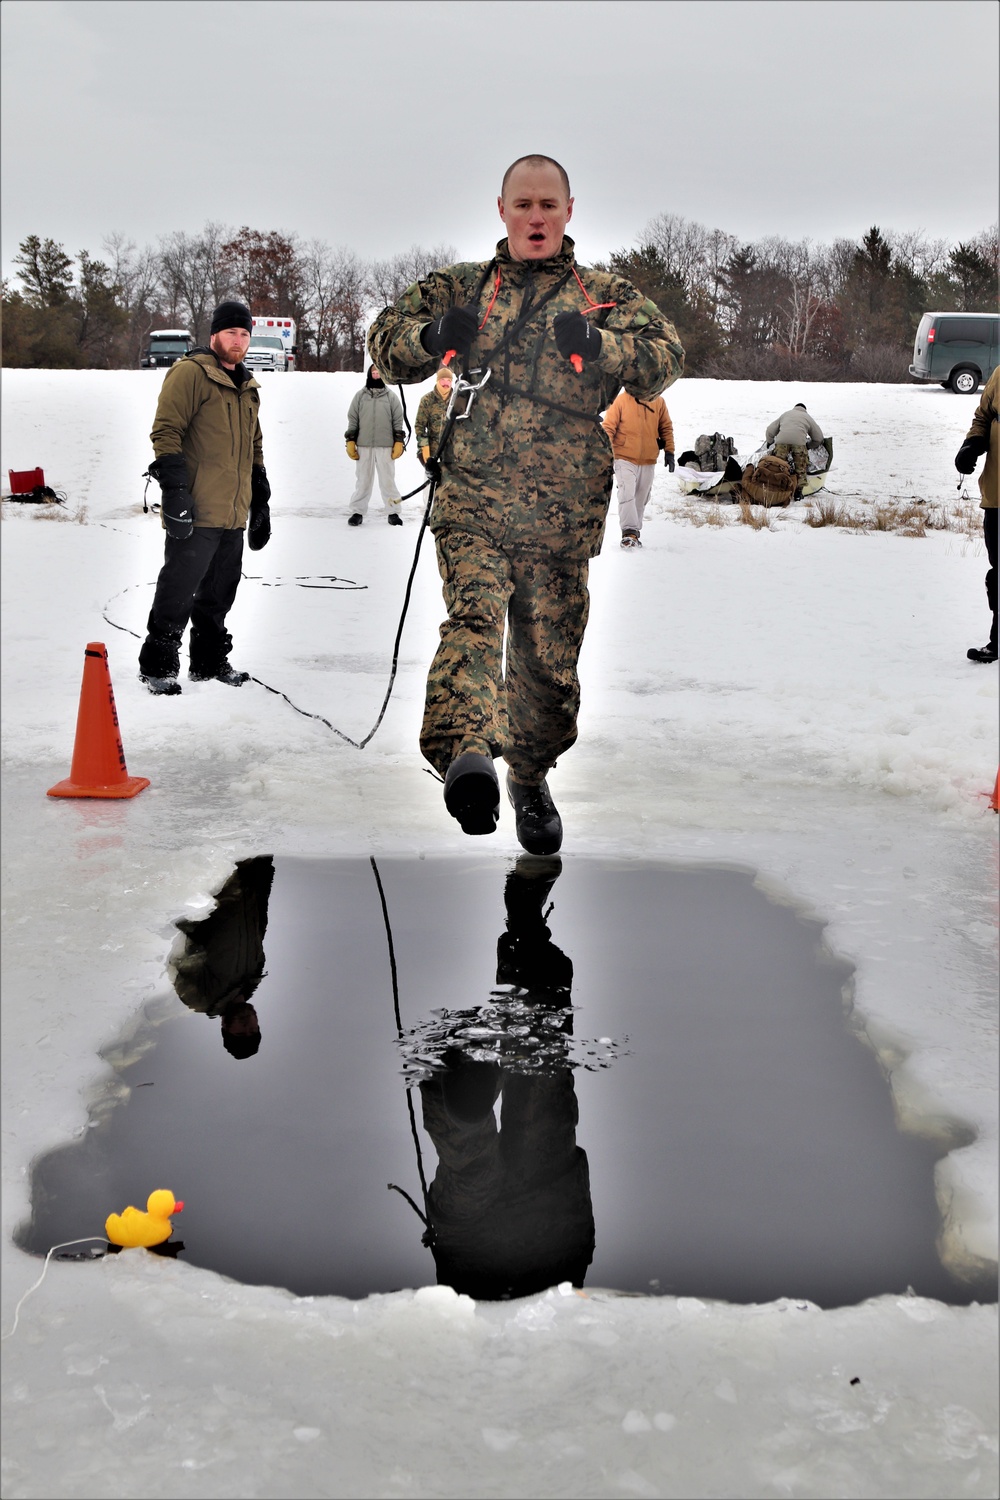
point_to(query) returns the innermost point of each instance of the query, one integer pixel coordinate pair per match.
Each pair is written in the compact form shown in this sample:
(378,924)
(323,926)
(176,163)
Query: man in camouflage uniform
(432,413)
(523,497)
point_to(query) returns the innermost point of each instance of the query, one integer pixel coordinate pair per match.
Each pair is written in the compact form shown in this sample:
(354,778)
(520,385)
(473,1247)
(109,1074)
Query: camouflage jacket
(532,467)
(429,423)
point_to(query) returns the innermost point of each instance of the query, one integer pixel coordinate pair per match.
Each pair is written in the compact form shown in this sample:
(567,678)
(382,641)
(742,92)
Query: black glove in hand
(668,459)
(432,467)
(259,524)
(176,506)
(456,330)
(970,453)
(177,510)
(260,488)
(574,335)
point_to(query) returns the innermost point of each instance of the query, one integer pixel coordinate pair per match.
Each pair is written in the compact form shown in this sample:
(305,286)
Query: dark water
(680,1104)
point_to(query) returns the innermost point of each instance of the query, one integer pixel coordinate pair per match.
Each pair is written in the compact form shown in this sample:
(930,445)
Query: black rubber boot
(539,826)
(355,520)
(160,687)
(472,792)
(985,653)
(395,519)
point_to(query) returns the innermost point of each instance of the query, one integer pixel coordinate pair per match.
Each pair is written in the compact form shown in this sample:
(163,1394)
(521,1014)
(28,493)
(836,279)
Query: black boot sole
(472,793)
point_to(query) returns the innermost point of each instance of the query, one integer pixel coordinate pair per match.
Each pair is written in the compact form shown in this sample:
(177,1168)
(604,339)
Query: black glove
(259,526)
(433,469)
(176,504)
(668,459)
(575,335)
(456,330)
(970,453)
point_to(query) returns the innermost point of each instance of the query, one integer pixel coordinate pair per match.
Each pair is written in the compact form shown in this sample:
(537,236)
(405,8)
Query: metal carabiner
(465,387)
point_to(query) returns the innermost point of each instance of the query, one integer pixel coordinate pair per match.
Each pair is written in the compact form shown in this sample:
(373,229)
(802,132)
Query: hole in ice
(634,1075)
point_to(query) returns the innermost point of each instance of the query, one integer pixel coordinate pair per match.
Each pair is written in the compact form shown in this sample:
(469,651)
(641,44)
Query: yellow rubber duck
(133,1227)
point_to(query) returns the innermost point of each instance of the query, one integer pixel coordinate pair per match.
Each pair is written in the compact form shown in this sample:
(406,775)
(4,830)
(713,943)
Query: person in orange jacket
(638,431)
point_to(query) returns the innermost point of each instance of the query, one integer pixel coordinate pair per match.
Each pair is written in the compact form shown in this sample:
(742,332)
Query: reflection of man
(223,959)
(509,1210)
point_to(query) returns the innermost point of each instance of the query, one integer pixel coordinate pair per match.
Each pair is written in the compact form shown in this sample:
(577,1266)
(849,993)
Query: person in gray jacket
(791,434)
(374,441)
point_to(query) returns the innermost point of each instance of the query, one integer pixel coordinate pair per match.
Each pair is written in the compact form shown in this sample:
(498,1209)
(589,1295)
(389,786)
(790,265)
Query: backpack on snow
(768,482)
(712,453)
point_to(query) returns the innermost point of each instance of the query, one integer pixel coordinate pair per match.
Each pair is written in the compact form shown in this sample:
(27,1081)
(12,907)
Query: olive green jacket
(985,425)
(201,414)
(532,467)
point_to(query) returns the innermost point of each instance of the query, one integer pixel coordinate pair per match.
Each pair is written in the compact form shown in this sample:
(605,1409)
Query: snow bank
(796,701)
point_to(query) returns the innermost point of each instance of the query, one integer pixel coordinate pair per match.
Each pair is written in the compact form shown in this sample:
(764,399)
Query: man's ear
(569,210)
(500,208)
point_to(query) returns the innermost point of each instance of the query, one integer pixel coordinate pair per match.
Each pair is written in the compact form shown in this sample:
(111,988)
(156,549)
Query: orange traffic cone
(98,768)
(995,799)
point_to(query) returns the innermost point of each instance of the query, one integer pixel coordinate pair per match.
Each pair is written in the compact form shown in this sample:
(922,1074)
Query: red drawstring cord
(575,360)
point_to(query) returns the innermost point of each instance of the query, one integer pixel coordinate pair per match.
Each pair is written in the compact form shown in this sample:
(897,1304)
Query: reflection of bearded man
(509,1210)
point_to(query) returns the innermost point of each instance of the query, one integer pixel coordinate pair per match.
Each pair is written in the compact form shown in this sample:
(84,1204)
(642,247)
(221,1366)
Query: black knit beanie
(231,315)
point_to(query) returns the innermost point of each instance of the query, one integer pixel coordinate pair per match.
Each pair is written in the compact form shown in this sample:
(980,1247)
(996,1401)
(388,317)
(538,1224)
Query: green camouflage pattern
(518,471)
(528,713)
(429,423)
(799,457)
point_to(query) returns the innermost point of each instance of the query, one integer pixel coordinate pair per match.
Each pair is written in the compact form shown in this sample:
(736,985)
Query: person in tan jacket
(638,431)
(210,467)
(981,438)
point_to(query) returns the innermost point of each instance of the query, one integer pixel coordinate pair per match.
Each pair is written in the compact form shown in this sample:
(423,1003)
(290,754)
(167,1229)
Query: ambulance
(272,344)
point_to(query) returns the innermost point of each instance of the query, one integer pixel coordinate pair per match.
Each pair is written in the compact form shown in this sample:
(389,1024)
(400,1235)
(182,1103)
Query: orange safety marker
(98,768)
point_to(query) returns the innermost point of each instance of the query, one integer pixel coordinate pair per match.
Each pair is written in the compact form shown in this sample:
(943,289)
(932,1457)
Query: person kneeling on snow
(374,442)
(210,468)
(791,434)
(638,430)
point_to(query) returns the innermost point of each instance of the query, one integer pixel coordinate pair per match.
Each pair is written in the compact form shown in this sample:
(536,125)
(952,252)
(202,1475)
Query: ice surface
(797,702)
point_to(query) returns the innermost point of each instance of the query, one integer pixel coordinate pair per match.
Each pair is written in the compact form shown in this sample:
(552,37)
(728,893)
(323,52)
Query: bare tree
(195,275)
(388,279)
(135,274)
(336,293)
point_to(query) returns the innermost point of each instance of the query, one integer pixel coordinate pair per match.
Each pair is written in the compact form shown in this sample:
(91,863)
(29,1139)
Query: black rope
(399,1031)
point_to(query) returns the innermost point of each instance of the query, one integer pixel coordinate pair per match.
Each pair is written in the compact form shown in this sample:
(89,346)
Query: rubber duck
(133,1227)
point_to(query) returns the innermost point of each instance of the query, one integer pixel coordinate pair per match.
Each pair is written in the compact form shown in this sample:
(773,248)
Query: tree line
(768,309)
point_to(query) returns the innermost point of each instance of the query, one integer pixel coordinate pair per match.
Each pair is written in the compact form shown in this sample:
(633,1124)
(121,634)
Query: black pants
(198,582)
(990,535)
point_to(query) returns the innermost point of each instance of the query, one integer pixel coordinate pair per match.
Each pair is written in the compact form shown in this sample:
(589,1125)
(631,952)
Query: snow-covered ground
(792,700)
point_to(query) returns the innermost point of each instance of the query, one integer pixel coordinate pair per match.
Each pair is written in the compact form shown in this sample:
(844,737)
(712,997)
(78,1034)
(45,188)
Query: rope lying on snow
(327,581)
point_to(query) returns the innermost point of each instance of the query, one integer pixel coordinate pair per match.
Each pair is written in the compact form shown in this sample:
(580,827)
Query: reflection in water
(509,1210)
(223,959)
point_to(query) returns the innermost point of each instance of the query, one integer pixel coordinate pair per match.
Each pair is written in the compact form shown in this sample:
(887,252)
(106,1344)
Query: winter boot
(630,539)
(160,661)
(356,519)
(472,792)
(526,954)
(985,653)
(536,819)
(224,672)
(160,687)
(395,519)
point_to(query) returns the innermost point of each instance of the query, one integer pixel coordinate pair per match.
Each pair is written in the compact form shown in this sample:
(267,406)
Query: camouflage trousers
(524,708)
(799,457)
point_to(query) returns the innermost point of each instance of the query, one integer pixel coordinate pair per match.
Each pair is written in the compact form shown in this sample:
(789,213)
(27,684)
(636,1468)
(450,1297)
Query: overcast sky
(378,124)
